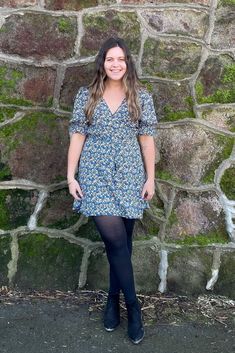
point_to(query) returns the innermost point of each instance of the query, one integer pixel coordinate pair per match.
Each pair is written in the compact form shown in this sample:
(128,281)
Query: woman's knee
(117,244)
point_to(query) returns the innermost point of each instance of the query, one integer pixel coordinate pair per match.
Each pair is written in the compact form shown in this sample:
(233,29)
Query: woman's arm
(148,149)
(75,148)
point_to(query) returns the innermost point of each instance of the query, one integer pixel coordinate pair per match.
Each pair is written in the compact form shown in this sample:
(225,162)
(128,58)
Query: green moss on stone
(97,25)
(203,239)
(226,2)
(88,231)
(166,175)
(3,29)
(148,85)
(152,230)
(26,125)
(171,115)
(231,123)
(9,79)
(88,3)
(7,113)
(48,263)
(16,207)
(59,178)
(226,144)
(224,94)
(62,223)
(65,25)
(227,183)
(5,257)
(66,107)
(70,5)
(99,21)
(172,219)
(49,102)
(229,74)
(57,212)
(226,282)
(168,60)
(16,101)
(4,214)
(145,237)
(199,90)
(5,172)
(173,75)
(34,244)
(227,116)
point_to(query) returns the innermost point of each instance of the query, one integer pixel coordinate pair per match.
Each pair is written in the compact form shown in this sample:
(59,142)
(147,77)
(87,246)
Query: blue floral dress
(111,170)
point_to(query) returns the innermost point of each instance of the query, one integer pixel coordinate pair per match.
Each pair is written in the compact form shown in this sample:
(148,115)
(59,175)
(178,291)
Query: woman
(112,144)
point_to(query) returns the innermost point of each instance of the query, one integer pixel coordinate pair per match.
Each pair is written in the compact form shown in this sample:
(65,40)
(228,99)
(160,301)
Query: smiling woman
(112,132)
(115,68)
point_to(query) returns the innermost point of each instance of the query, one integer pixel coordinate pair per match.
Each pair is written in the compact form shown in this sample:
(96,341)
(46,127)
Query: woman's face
(115,64)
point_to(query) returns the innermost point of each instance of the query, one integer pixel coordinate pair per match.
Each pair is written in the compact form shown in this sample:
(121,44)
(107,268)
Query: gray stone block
(5,257)
(47,263)
(189,270)
(225,284)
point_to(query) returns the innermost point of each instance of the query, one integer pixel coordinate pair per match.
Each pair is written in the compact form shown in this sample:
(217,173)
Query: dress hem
(109,214)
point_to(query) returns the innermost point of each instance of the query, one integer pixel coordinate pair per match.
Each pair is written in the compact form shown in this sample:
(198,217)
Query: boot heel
(135,327)
(112,313)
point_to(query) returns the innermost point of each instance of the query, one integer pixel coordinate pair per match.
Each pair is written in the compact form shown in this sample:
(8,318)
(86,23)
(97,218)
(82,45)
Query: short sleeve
(148,119)
(78,121)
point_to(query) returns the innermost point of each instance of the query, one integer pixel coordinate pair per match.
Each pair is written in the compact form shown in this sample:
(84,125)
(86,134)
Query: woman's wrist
(151,179)
(70,180)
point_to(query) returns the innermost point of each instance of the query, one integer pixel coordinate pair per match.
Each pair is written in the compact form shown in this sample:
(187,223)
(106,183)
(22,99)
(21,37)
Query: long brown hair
(130,80)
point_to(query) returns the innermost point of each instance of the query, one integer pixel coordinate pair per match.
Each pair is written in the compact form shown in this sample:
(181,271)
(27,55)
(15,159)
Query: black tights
(116,233)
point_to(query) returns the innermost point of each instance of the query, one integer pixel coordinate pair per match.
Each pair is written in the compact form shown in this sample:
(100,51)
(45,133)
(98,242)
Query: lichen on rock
(37,140)
(170,59)
(72,5)
(196,218)
(190,155)
(102,25)
(26,85)
(39,35)
(186,22)
(220,117)
(216,82)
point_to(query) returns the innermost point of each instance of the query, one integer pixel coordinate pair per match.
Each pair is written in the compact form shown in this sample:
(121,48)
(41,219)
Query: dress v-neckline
(113,113)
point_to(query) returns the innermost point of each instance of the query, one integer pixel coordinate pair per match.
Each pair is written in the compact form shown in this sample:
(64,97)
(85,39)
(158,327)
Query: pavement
(42,325)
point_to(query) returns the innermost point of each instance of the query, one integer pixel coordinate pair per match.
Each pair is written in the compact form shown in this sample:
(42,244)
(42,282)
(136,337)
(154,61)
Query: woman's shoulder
(82,95)
(83,90)
(144,94)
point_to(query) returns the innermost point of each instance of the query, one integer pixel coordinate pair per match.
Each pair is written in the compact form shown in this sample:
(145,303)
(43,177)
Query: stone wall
(184,52)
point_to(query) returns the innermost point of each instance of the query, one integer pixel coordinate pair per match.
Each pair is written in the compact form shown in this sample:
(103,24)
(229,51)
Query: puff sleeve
(78,121)
(148,119)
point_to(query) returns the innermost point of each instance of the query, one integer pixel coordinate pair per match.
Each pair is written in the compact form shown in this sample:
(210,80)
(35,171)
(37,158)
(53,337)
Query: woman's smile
(115,63)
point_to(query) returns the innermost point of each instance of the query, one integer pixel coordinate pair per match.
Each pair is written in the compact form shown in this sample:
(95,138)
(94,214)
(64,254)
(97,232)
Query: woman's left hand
(148,190)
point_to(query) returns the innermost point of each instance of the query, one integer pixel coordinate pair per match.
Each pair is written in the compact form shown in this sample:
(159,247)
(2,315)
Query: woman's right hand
(75,190)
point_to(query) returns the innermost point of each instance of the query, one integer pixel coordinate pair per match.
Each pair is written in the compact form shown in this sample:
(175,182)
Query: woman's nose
(116,63)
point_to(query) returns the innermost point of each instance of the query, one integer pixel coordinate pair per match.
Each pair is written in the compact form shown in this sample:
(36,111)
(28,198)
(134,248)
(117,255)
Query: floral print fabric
(111,171)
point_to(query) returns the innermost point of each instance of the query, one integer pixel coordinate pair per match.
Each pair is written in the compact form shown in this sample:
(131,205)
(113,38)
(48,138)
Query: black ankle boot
(112,312)
(135,326)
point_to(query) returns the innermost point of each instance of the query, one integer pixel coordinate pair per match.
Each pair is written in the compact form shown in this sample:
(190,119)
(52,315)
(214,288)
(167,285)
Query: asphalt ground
(43,323)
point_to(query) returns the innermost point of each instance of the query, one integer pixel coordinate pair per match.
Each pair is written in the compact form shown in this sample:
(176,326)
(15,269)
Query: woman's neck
(114,85)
